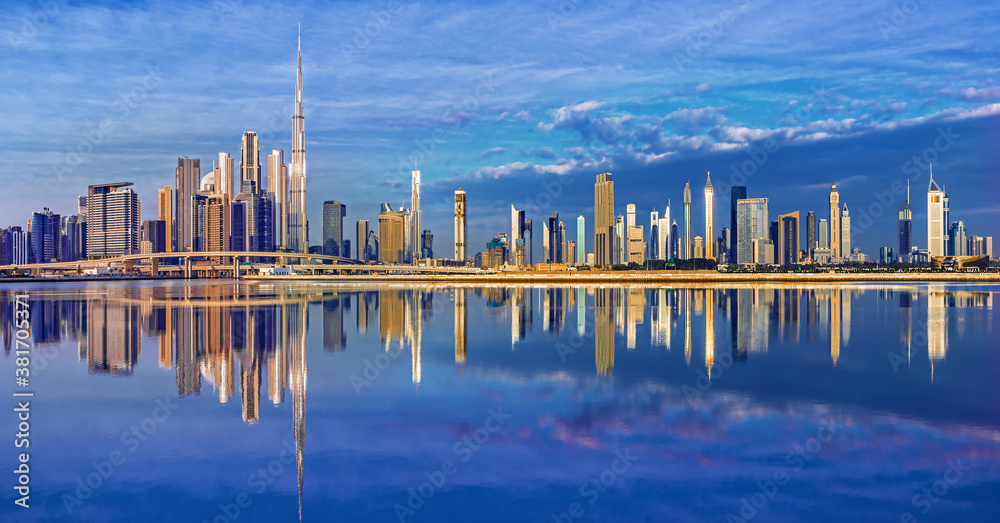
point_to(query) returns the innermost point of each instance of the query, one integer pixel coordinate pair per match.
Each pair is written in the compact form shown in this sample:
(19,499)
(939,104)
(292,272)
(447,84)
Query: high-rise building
(635,245)
(823,241)
(687,221)
(46,236)
(224,178)
(415,229)
(74,239)
(904,227)
(709,216)
(333,227)
(788,239)
(218,218)
(165,213)
(362,241)
(738,192)
(526,236)
(555,254)
(249,160)
(957,242)
(654,236)
(238,224)
(752,220)
(675,241)
(581,240)
(665,235)
(835,234)
(845,233)
(427,244)
(460,234)
(113,215)
(297,239)
(604,220)
(935,219)
(393,229)
(277,186)
(516,232)
(699,249)
(199,218)
(811,239)
(188,179)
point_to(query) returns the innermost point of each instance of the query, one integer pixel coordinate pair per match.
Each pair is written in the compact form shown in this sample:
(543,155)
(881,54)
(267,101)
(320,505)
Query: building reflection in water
(205,332)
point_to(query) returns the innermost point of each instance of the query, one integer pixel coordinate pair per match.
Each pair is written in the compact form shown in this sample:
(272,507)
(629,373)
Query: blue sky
(515,103)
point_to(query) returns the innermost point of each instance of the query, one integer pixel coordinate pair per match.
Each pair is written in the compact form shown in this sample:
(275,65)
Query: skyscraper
(654,236)
(555,254)
(604,220)
(277,185)
(788,239)
(738,192)
(113,220)
(709,212)
(224,178)
(46,237)
(165,213)
(581,240)
(393,232)
(687,221)
(333,227)
(362,240)
(675,241)
(810,234)
(517,256)
(752,219)
(526,235)
(188,178)
(823,240)
(460,238)
(218,218)
(297,240)
(249,160)
(904,227)
(845,233)
(957,242)
(935,218)
(835,222)
(415,252)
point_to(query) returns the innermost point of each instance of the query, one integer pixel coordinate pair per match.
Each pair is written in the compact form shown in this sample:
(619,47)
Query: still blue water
(361,402)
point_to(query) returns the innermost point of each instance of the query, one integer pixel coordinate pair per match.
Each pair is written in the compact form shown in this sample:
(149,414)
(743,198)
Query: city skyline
(953,119)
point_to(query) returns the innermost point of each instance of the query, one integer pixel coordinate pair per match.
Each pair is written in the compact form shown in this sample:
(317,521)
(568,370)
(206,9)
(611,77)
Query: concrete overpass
(230,263)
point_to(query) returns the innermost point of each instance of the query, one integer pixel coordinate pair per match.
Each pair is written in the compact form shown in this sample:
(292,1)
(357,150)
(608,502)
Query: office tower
(297,239)
(224,174)
(556,239)
(249,160)
(581,240)
(904,227)
(935,219)
(675,241)
(753,223)
(371,246)
(546,238)
(188,178)
(46,236)
(726,241)
(460,238)
(654,236)
(621,240)
(199,216)
(333,227)
(516,233)
(709,216)
(238,224)
(835,234)
(427,244)
(74,238)
(19,249)
(845,233)
(957,241)
(604,220)
(687,221)
(265,223)
(392,232)
(277,186)
(165,213)
(256,216)
(218,218)
(885,255)
(630,215)
(415,213)
(823,241)
(634,238)
(698,246)
(811,234)
(738,192)
(570,252)
(788,239)
(362,241)
(152,233)
(113,215)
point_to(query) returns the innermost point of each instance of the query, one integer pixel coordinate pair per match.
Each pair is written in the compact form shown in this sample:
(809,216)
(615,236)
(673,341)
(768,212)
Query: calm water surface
(361,402)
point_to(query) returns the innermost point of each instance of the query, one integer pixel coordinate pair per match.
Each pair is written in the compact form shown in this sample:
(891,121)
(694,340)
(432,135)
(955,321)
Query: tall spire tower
(834,222)
(297,240)
(709,233)
(687,221)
